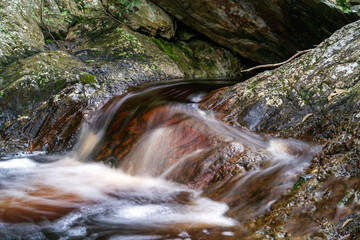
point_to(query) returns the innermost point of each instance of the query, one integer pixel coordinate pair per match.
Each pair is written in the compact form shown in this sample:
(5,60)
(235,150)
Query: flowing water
(163,146)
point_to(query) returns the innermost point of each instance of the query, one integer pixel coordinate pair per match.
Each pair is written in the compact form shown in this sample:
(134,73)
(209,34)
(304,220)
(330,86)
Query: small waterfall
(169,155)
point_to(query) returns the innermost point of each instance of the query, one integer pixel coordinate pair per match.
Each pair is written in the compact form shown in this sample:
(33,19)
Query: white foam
(120,198)
(18,163)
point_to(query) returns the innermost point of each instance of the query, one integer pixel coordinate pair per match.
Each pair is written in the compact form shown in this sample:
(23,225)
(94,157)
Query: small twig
(43,22)
(110,15)
(277,64)
(117,20)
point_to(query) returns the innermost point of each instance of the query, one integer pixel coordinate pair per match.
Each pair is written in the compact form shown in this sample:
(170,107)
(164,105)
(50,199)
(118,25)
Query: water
(163,146)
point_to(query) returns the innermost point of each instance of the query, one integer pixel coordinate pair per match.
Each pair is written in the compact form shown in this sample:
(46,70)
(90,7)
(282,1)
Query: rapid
(148,167)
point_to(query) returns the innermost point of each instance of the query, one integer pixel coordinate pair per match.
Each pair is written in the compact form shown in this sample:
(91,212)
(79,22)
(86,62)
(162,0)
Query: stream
(151,165)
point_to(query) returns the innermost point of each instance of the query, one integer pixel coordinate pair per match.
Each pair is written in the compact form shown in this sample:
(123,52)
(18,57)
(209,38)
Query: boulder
(23,24)
(124,53)
(26,83)
(143,16)
(314,97)
(202,59)
(263,31)
(59,15)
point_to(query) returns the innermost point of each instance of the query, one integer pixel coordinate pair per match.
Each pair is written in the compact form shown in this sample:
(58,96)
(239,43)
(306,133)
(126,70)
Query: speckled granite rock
(314,97)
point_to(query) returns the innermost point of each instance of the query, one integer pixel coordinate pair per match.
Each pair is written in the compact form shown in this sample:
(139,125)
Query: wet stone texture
(315,97)
(169,136)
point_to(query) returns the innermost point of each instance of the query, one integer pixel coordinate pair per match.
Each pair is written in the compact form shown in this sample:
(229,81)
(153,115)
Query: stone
(59,15)
(20,34)
(26,83)
(143,16)
(201,59)
(276,101)
(263,31)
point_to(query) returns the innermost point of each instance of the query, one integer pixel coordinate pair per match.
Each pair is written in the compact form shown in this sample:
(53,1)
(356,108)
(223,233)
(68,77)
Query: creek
(151,165)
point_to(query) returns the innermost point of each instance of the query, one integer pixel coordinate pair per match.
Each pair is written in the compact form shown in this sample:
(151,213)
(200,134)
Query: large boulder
(263,31)
(314,97)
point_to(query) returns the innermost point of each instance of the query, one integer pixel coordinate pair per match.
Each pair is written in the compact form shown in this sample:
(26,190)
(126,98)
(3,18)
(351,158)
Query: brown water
(72,197)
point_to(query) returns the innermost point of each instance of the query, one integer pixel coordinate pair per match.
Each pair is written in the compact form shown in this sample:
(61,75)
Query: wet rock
(314,97)
(282,99)
(135,143)
(264,31)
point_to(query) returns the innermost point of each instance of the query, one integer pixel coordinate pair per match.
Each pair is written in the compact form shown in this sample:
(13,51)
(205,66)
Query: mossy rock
(143,16)
(26,83)
(123,53)
(88,79)
(198,58)
(60,15)
(20,34)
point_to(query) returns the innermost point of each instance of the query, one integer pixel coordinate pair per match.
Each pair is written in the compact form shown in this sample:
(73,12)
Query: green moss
(254,84)
(344,4)
(184,48)
(166,48)
(301,181)
(88,79)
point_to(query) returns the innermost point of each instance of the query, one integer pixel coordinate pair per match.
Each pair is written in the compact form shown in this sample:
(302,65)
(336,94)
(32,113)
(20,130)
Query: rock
(135,143)
(20,34)
(39,98)
(127,55)
(26,83)
(265,31)
(23,24)
(143,16)
(186,34)
(102,59)
(197,58)
(280,99)
(118,45)
(59,15)
(277,101)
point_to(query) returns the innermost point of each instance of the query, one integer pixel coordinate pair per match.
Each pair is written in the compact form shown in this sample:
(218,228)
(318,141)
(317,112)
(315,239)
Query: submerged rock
(314,97)
(263,31)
